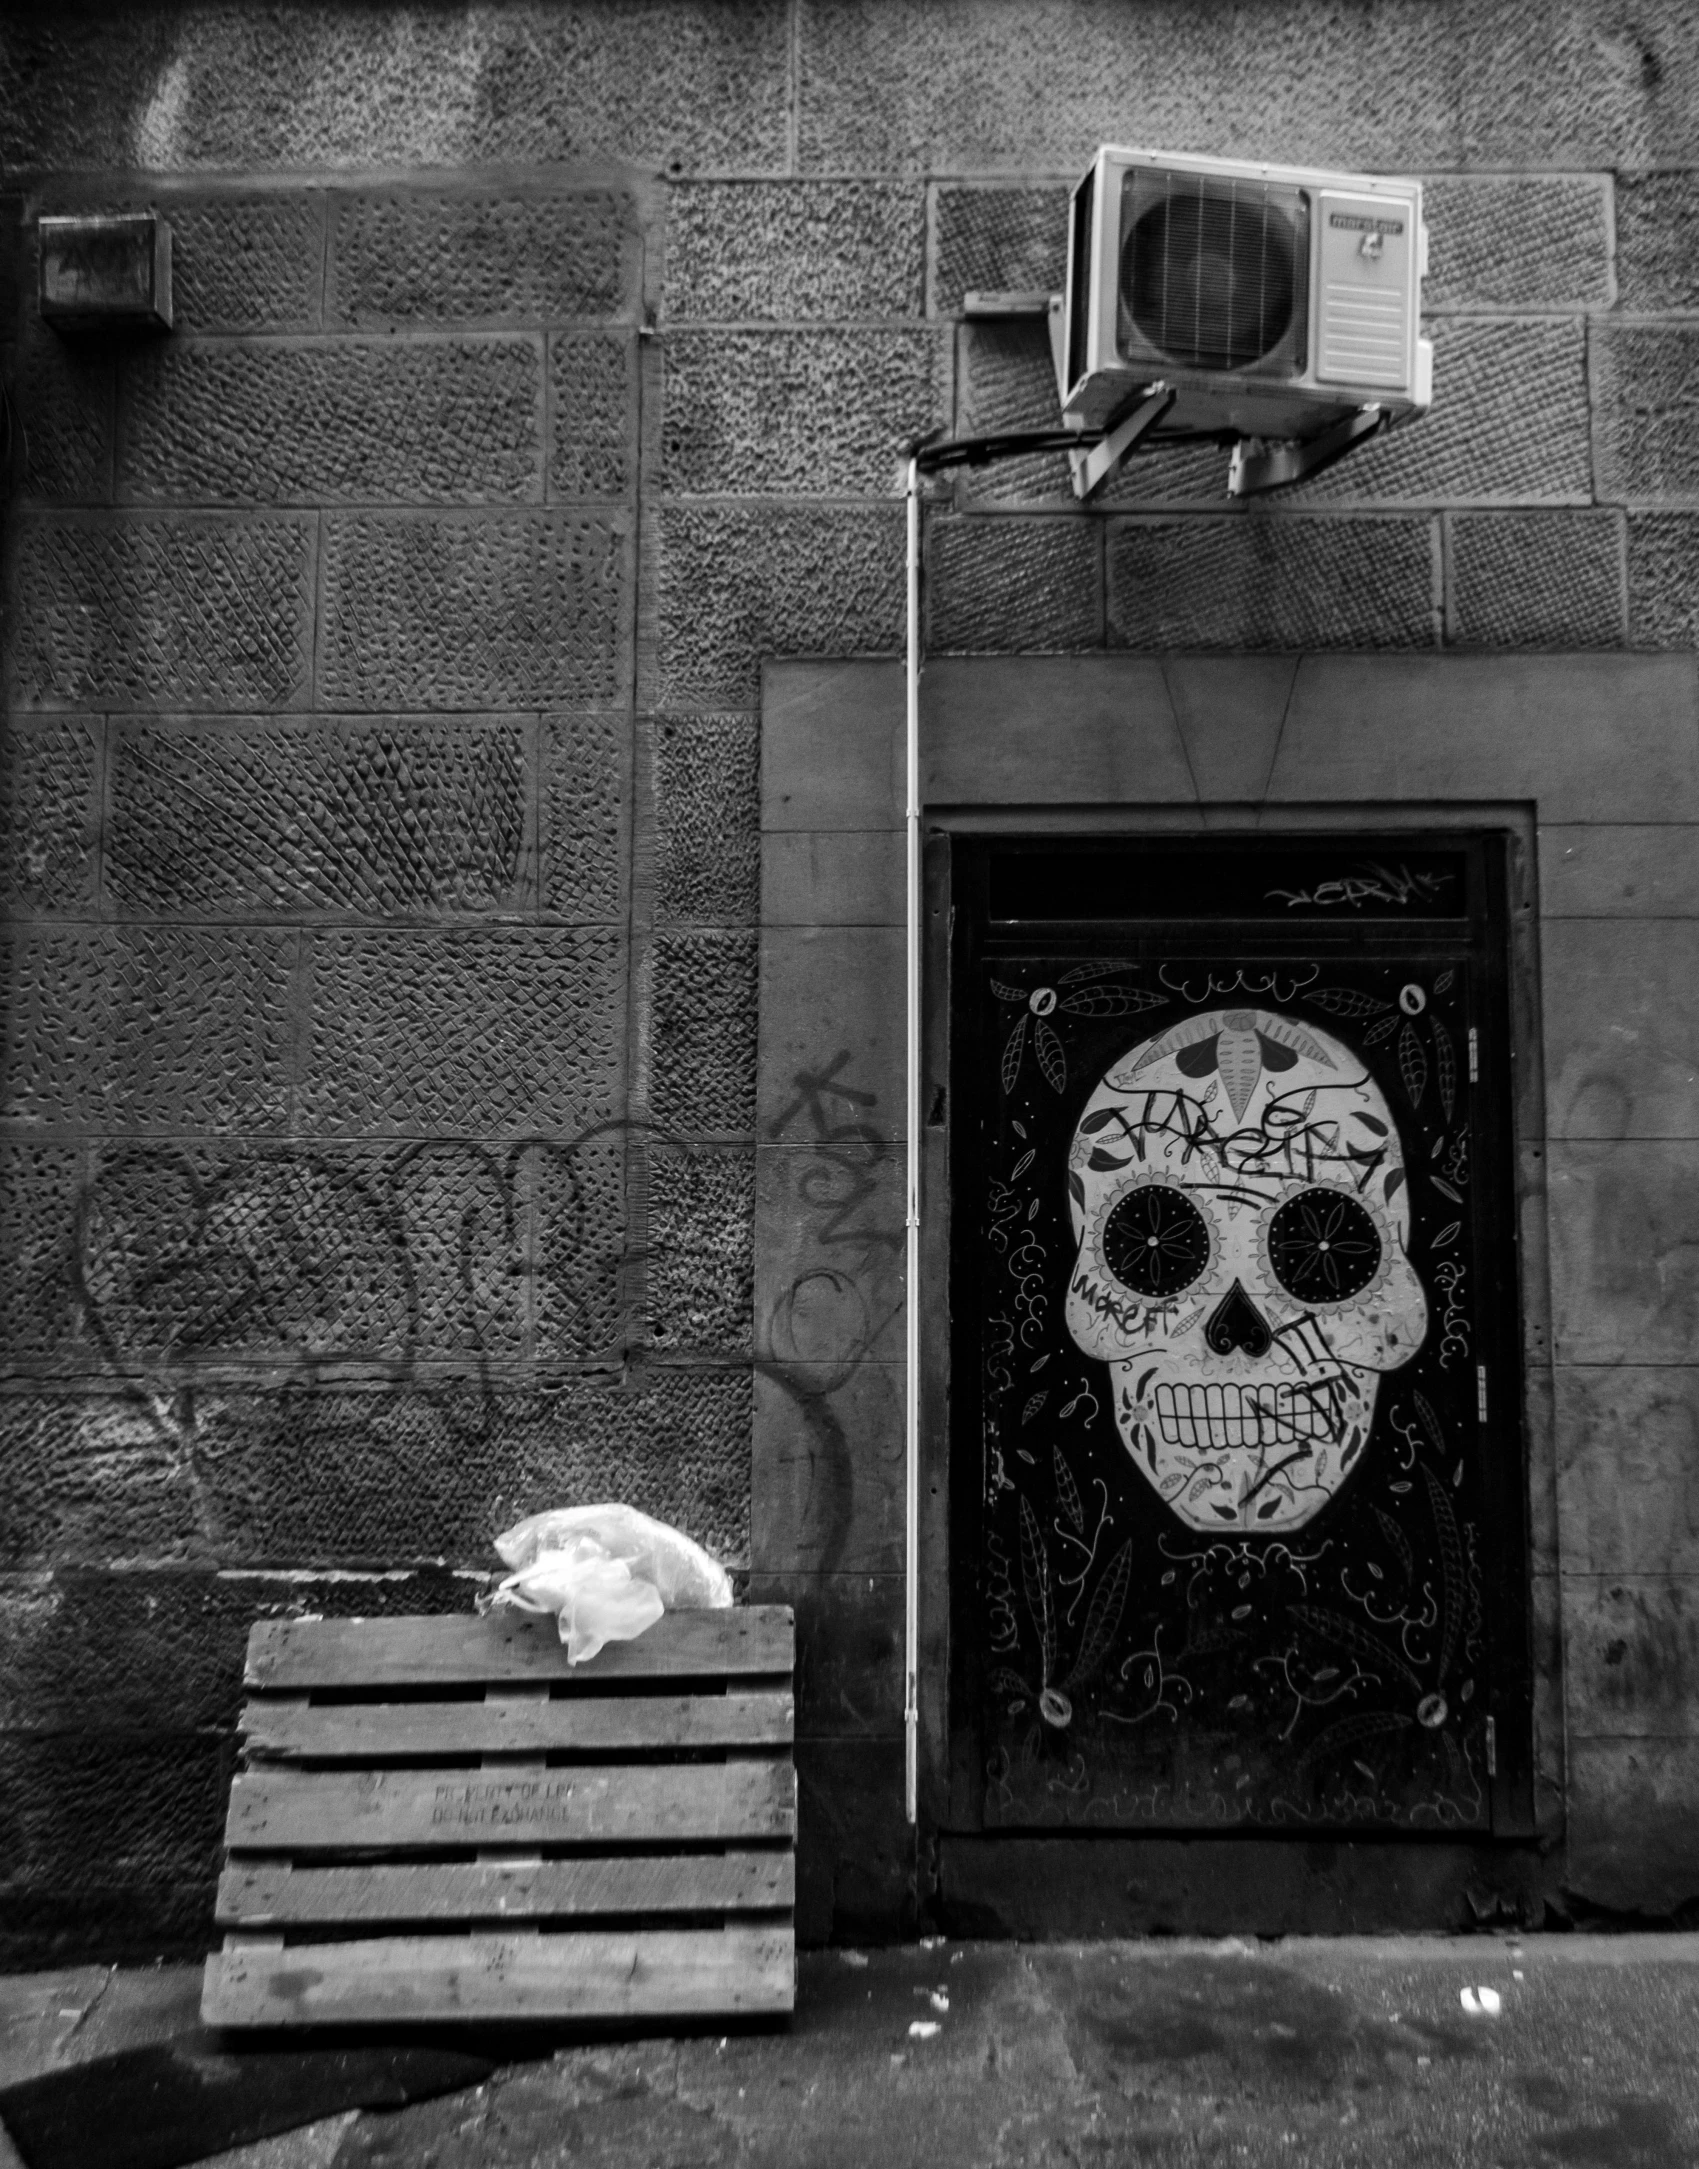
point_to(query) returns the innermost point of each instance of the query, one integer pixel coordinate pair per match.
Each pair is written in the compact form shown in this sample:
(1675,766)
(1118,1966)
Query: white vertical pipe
(911,1272)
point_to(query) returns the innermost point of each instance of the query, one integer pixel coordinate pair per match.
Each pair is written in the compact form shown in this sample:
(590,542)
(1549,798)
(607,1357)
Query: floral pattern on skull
(1242,1219)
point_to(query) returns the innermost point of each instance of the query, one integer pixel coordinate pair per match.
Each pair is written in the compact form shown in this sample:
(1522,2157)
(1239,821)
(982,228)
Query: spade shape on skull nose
(1237,1323)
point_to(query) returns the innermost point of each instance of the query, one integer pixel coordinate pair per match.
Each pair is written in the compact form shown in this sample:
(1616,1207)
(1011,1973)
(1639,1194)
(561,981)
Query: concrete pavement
(1574,2050)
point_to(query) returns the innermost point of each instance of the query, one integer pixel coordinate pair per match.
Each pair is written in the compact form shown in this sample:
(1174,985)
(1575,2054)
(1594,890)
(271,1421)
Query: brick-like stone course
(704,1031)
(799,414)
(794,251)
(997,240)
(185,611)
(499,1030)
(701,1268)
(1657,240)
(707,846)
(416,259)
(584,816)
(247,263)
(462,612)
(740,583)
(1647,381)
(1663,580)
(39,1312)
(163,1028)
(372,817)
(592,452)
(433,421)
(1271,583)
(1524,241)
(1536,579)
(1015,585)
(48,819)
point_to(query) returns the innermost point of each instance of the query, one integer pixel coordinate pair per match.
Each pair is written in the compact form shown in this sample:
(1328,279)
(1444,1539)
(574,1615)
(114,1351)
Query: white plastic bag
(606,1572)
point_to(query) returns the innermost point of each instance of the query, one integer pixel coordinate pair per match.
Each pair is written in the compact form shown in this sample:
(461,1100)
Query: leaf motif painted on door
(1035,1579)
(1412,1064)
(1333,1627)
(1067,1491)
(1012,1054)
(1451,1567)
(1445,1067)
(1051,1060)
(1006,993)
(1109,1002)
(1380,1030)
(1346,1002)
(1103,1616)
(1104,968)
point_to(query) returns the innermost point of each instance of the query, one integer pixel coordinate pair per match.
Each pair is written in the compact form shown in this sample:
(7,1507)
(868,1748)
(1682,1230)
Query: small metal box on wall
(106,273)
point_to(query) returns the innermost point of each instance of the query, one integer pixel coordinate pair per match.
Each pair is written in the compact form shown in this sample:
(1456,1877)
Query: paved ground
(1374,2052)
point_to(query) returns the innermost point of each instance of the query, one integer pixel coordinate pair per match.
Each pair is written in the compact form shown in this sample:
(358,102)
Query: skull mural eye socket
(1324,1246)
(1156,1242)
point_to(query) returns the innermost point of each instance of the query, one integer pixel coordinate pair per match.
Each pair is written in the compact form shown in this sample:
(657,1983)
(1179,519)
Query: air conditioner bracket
(1093,466)
(1258,466)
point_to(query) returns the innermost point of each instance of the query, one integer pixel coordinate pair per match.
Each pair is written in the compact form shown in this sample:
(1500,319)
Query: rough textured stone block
(297,1254)
(1622,1042)
(581,1247)
(498,610)
(703,992)
(374,818)
(707,808)
(593,429)
(1657,240)
(1013,584)
(344,1473)
(1509,423)
(47,815)
(1647,387)
(408,258)
(1628,1469)
(677,86)
(1663,580)
(113,1845)
(963,89)
(1631,1656)
(738,583)
(584,816)
(429,421)
(1625,1274)
(1633,1838)
(701,1212)
(61,392)
(93,1478)
(998,240)
(128,1651)
(186,611)
(247,263)
(794,251)
(38,1209)
(487,1031)
(1602,872)
(797,413)
(1524,241)
(150,1028)
(1536,580)
(1271,582)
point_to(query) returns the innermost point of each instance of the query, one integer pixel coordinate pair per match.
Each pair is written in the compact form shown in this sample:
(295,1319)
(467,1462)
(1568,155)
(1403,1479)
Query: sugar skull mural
(1239,1204)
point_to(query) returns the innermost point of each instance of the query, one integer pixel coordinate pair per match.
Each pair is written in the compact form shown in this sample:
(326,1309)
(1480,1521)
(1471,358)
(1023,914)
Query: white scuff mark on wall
(159,125)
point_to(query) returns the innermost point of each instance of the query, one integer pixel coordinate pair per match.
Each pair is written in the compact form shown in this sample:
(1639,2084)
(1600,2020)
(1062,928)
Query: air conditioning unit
(1270,303)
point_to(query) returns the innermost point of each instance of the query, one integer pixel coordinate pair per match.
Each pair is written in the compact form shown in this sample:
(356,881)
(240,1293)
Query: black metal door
(1239,1471)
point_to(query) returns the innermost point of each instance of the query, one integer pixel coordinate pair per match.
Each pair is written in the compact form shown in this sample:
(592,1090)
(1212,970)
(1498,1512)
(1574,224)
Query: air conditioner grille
(1213,270)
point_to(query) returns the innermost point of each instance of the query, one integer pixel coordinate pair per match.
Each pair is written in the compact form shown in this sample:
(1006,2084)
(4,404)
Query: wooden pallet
(442,1819)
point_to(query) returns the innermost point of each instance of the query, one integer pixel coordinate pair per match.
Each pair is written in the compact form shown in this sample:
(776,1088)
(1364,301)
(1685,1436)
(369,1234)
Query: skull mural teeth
(1242,1220)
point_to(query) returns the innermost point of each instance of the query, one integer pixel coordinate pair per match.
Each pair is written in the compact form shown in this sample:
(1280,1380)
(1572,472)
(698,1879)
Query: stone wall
(383,660)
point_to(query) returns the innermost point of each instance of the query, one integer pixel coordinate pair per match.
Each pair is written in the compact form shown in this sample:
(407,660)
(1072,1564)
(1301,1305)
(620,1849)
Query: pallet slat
(269,1894)
(293,1654)
(654,1973)
(367,1732)
(283,1810)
